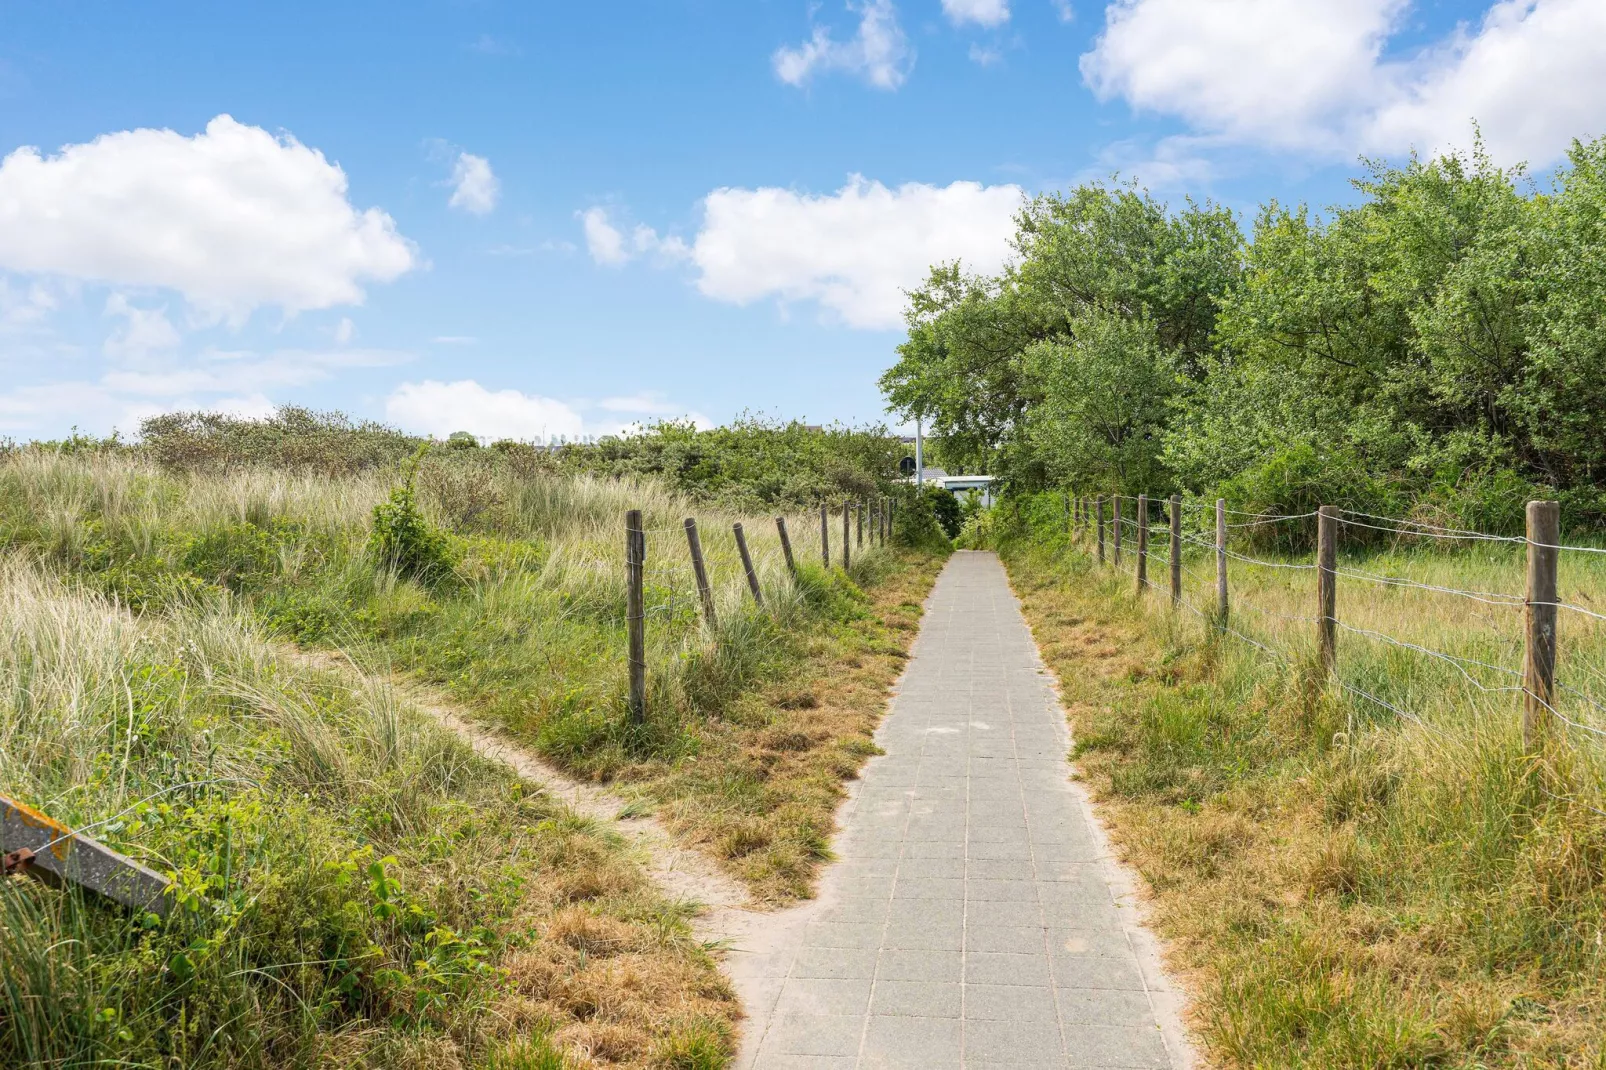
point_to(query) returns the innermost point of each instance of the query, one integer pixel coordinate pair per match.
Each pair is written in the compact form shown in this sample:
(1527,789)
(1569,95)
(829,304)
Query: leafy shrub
(915,523)
(293,437)
(462,489)
(402,537)
(1301,479)
(946,508)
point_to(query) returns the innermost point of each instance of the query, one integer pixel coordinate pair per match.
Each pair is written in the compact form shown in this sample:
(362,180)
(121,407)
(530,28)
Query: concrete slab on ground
(976,917)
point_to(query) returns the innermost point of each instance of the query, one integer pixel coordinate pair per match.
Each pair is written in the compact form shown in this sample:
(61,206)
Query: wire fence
(1309,640)
(681,575)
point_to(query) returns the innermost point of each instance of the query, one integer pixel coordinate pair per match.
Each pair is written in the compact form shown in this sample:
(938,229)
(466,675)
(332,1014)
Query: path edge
(1168,996)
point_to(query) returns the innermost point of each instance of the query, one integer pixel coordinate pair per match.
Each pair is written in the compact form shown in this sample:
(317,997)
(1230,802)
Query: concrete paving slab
(976,918)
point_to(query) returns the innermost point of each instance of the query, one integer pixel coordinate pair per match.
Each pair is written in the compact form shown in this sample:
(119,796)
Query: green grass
(352,886)
(359,889)
(1344,886)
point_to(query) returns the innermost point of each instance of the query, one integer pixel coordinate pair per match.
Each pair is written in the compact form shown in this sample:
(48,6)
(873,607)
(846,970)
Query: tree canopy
(1438,344)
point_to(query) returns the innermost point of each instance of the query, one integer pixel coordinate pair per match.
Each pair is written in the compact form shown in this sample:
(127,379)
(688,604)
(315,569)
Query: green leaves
(1447,322)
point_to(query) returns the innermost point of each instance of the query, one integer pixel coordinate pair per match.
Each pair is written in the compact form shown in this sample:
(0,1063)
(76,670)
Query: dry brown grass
(1275,869)
(762,791)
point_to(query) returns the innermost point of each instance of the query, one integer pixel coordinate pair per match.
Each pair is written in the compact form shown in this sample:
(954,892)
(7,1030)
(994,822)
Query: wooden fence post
(1099,505)
(1143,543)
(858,523)
(747,563)
(635,622)
(1327,585)
(1176,549)
(1221,563)
(1539,658)
(847,536)
(786,545)
(700,570)
(825,535)
(1117,540)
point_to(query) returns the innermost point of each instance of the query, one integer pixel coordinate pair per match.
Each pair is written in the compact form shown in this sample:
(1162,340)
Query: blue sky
(537,219)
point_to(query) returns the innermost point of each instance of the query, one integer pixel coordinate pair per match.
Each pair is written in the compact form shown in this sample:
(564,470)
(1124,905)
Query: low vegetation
(358,888)
(1384,880)
(352,886)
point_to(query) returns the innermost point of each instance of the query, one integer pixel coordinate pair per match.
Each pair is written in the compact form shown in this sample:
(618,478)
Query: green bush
(403,538)
(946,508)
(1301,479)
(916,523)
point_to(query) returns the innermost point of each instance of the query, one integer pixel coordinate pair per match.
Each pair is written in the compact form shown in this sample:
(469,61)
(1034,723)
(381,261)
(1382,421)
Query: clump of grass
(1349,887)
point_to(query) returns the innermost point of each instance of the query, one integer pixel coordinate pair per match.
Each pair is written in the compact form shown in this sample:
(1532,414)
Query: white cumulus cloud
(1533,75)
(854,252)
(143,331)
(233,218)
(475,188)
(439,409)
(1265,69)
(981,12)
(1316,76)
(879,52)
(604,241)
(609,246)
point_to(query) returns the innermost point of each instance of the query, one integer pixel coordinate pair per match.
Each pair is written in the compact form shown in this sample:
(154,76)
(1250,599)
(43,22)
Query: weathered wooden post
(786,545)
(700,570)
(858,523)
(1221,563)
(1176,549)
(1117,546)
(1327,585)
(1539,658)
(847,535)
(1143,543)
(825,535)
(1100,506)
(635,619)
(747,563)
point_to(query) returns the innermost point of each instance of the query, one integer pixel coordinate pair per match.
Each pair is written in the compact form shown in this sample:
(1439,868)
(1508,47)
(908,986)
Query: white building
(957,485)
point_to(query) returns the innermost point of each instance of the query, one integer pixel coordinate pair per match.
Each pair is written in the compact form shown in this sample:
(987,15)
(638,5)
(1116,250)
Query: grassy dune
(360,889)
(1349,886)
(355,887)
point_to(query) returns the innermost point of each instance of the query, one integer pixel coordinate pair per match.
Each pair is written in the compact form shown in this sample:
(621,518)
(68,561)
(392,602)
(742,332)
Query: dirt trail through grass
(729,912)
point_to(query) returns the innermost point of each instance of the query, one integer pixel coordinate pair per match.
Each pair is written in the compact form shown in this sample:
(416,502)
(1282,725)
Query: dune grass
(491,915)
(353,887)
(1348,885)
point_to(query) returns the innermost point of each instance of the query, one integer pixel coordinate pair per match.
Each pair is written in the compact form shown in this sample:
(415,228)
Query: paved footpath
(975,918)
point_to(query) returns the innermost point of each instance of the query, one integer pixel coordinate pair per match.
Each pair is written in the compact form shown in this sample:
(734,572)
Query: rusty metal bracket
(36,843)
